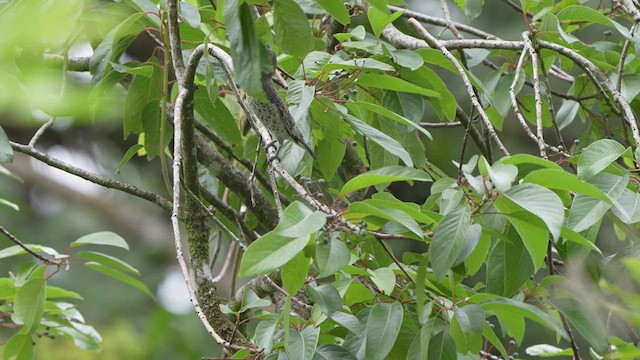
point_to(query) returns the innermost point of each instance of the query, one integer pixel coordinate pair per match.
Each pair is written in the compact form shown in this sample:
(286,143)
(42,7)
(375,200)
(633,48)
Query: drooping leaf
(542,203)
(6,152)
(265,332)
(504,307)
(393,83)
(280,245)
(562,180)
(302,345)
(384,175)
(326,296)
(28,305)
(122,277)
(331,257)
(448,240)
(108,261)
(102,238)
(337,9)
(385,141)
(383,326)
(597,156)
(19,347)
(292,31)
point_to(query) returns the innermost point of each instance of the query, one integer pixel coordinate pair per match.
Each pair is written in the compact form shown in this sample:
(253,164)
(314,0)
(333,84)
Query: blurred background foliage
(56,208)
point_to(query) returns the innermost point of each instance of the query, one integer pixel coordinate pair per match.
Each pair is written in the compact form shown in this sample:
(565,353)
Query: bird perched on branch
(275,115)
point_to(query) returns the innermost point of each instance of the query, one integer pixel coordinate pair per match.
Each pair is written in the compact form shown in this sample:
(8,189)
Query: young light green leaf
(107,261)
(101,238)
(28,305)
(292,31)
(122,277)
(383,326)
(597,156)
(54,292)
(337,9)
(326,296)
(502,175)
(546,350)
(384,175)
(393,83)
(448,240)
(331,257)
(397,216)
(6,152)
(18,250)
(302,345)
(407,58)
(128,155)
(542,203)
(8,203)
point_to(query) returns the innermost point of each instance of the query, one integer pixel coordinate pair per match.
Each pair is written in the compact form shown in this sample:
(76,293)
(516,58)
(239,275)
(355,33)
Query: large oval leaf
(383,326)
(597,156)
(382,176)
(542,203)
(448,240)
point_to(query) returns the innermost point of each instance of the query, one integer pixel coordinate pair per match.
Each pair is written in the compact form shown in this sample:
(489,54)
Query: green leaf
(28,304)
(337,9)
(393,83)
(542,203)
(6,152)
(18,250)
(54,292)
(101,238)
(384,279)
(283,243)
(356,64)
(385,141)
(190,14)
(246,49)
(330,155)
(562,180)
(419,348)
(8,203)
(218,117)
(325,296)
(332,352)
(597,156)
(331,257)
(575,237)
(382,176)
(471,318)
(19,347)
(393,116)
(442,347)
(107,261)
(292,31)
(545,350)
(589,15)
(128,155)
(119,276)
(294,273)
(531,229)
(302,345)
(142,92)
(508,267)
(586,211)
(250,300)
(383,326)
(394,215)
(348,321)
(448,240)
(265,332)
(379,19)
(522,161)
(504,307)
(583,320)
(502,175)
(407,58)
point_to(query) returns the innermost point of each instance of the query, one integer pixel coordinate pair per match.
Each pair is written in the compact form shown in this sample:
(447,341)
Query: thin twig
(231,253)
(16,241)
(536,93)
(474,100)
(93,177)
(440,125)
